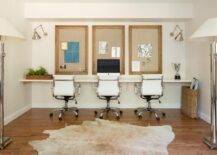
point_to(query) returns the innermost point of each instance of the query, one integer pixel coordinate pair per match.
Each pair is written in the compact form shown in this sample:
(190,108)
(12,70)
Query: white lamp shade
(7,29)
(207,29)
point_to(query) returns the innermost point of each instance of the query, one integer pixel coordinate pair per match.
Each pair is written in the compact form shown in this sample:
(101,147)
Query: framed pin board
(71,56)
(108,43)
(145,49)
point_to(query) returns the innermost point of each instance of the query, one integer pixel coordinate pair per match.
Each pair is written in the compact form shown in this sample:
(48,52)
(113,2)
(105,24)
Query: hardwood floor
(30,126)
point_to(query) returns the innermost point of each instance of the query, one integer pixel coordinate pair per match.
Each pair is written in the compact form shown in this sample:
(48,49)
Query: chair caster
(135,111)
(163,114)
(101,117)
(95,112)
(121,112)
(157,118)
(77,110)
(139,116)
(117,117)
(76,115)
(51,115)
(60,118)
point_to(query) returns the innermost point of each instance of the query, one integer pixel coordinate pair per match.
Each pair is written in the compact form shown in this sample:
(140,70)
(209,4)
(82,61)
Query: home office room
(108,77)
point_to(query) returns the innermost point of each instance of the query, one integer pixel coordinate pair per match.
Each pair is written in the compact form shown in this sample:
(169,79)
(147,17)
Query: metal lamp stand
(4,141)
(212,140)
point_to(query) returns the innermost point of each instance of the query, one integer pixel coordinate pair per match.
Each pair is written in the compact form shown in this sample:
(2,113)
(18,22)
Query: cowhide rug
(102,137)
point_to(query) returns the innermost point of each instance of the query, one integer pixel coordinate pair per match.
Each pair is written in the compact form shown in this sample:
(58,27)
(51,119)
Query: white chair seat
(108,88)
(152,85)
(63,85)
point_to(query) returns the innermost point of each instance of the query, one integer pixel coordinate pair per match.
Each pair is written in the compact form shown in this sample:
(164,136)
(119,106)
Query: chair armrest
(77,88)
(137,88)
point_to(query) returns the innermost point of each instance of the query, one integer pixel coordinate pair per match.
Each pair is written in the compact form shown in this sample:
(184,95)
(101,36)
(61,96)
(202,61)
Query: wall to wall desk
(43,54)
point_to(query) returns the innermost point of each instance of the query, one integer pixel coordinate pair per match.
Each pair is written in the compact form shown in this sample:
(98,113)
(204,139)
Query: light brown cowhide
(102,137)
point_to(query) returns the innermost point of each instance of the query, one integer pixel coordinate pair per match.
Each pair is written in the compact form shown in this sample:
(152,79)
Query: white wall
(103,10)
(43,54)
(18,58)
(198,63)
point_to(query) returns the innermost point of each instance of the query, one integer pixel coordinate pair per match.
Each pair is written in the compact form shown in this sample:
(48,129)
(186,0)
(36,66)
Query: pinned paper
(116,52)
(135,66)
(145,50)
(103,47)
(64,46)
(72,53)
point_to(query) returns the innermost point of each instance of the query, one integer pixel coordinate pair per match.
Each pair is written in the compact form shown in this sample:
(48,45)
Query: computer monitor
(108,66)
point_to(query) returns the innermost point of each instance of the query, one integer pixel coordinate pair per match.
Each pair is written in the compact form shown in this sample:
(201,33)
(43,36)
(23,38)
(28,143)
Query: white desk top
(92,79)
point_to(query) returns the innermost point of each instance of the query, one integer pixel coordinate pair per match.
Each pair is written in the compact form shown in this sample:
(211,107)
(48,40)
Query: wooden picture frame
(140,34)
(67,33)
(115,36)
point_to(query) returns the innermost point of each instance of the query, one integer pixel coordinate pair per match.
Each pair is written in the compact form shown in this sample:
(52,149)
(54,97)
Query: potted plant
(39,73)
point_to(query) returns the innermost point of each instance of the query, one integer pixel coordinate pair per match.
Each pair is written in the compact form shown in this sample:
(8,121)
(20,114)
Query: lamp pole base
(208,141)
(5,141)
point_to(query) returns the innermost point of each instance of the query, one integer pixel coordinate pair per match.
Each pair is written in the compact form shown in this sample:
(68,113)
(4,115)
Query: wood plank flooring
(30,126)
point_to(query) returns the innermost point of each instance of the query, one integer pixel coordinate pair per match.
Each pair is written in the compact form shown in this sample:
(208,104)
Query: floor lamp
(209,30)
(6,30)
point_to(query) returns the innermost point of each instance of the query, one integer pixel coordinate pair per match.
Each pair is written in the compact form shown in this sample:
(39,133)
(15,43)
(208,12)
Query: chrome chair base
(140,112)
(4,141)
(210,143)
(105,111)
(61,112)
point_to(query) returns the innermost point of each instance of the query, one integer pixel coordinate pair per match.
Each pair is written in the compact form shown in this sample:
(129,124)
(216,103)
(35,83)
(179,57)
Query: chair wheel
(117,117)
(51,114)
(101,117)
(121,112)
(163,114)
(60,118)
(76,115)
(139,116)
(135,111)
(157,118)
(95,112)
(77,110)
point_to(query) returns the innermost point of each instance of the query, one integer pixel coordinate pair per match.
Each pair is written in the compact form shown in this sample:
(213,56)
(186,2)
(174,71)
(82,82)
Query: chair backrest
(108,84)
(152,85)
(63,85)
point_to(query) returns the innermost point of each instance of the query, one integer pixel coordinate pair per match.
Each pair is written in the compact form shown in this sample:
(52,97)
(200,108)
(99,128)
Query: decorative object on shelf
(194,84)
(177,33)
(71,49)
(36,35)
(189,101)
(40,73)
(177,68)
(209,30)
(145,49)
(6,30)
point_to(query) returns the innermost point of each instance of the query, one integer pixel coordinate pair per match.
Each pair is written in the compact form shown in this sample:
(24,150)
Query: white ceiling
(108,1)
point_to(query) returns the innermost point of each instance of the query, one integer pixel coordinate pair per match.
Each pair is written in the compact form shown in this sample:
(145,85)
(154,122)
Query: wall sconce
(177,33)
(36,36)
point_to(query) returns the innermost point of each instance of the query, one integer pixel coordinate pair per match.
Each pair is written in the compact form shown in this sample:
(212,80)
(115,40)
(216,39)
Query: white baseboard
(16,114)
(204,117)
(101,105)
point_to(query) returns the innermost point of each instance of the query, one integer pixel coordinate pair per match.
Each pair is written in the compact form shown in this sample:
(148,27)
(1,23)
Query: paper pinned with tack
(135,66)
(64,46)
(103,47)
(116,52)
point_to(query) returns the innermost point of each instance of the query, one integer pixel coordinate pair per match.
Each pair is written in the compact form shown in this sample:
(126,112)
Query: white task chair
(150,89)
(64,88)
(108,89)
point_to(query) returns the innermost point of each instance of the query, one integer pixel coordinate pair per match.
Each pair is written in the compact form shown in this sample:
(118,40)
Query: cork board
(75,38)
(114,37)
(145,49)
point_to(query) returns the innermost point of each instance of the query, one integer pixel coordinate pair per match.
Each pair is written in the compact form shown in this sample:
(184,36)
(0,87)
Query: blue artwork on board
(72,52)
